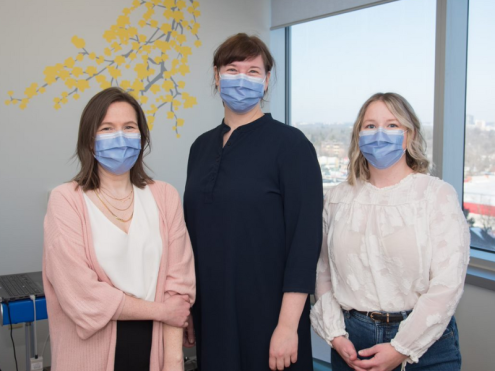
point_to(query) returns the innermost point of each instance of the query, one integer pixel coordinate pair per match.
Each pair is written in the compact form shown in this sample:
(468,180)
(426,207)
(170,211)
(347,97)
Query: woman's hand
(176,310)
(283,347)
(347,351)
(189,339)
(385,358)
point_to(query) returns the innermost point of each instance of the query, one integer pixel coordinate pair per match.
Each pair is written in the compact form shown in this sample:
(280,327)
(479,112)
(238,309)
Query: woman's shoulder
(65,192)
(161,186)
(426,185)
(164,192)
(66,188)
(65,210)
(205,137)
(435,189)
(284,131)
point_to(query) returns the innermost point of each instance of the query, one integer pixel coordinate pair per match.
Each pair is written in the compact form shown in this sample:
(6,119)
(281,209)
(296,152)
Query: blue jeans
(443,355)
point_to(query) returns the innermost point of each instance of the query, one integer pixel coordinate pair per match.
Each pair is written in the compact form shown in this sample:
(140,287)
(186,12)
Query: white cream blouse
(130,260)
(391,249)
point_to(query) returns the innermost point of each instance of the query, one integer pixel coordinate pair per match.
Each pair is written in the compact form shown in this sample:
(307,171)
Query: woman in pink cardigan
(118,268)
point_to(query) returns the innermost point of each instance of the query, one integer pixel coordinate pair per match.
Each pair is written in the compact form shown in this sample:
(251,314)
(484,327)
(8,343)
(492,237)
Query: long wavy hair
(415,145)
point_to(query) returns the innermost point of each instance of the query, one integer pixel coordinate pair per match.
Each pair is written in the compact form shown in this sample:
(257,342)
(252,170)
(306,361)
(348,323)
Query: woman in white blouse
(395,251)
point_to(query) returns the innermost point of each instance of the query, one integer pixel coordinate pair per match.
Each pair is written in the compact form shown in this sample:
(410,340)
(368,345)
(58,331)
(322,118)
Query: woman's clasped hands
(384,357)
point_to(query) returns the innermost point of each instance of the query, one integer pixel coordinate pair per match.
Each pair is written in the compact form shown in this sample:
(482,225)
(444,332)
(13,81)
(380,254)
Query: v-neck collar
(239,132)
(108,220)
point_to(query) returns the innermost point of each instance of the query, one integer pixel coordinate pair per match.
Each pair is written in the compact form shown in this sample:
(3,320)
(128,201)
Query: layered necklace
(102,195)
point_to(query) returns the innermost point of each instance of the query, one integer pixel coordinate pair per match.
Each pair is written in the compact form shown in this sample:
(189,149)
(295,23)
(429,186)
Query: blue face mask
(117,152)
(241,93)
(381,147)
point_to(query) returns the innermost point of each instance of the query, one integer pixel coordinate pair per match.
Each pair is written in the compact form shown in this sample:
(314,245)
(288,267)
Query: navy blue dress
(254,213)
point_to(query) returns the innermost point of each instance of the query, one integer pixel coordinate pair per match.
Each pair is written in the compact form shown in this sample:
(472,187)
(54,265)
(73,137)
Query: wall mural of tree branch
(147,55)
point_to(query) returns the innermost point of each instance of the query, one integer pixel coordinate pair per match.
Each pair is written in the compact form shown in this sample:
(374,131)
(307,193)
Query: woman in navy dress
(253,206)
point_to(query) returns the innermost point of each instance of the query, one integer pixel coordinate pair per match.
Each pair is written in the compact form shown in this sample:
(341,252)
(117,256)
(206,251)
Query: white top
(390,249)
(130,260)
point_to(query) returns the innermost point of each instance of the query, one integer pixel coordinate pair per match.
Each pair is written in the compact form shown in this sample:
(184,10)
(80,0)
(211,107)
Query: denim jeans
(443,355)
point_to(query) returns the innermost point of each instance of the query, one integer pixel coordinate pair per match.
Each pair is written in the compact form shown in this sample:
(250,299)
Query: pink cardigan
(82,303)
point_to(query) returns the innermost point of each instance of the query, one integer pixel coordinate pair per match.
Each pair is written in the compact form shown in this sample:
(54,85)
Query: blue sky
(338,62)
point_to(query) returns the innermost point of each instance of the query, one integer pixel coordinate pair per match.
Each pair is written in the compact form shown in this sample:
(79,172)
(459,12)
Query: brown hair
(241,47)
(91,118)
(415,147)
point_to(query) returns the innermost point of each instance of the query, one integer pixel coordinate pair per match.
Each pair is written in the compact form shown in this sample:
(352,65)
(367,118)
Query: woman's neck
(118,185)
(235,120)
(381,178)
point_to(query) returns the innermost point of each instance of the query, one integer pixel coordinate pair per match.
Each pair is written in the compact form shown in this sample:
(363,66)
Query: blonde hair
(415,145)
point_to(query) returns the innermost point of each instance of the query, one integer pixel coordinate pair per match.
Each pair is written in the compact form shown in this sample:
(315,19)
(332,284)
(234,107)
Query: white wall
(36,143)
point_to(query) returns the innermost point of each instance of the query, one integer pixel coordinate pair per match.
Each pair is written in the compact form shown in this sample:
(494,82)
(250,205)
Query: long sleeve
(449,238)
(302,192)
(87,301)
(180,273)
(326,316)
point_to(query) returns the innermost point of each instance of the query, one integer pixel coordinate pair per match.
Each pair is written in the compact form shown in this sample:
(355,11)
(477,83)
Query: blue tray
(22,311)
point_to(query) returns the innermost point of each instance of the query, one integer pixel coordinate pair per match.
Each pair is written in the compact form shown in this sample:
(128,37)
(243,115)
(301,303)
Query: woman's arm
(174,311)
(87,301)
(181,278)
(326,316)
(172,352)
(302,192)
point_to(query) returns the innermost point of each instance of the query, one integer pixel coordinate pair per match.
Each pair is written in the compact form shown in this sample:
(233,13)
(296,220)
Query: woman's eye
(393,126)
(370,126)
(231,70)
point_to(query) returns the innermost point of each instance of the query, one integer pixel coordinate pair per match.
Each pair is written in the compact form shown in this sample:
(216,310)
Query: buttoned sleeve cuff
(327,319)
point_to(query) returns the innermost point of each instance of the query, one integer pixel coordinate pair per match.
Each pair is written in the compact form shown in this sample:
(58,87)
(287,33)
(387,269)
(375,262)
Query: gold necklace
(118,199)
(116,208)
(110,211)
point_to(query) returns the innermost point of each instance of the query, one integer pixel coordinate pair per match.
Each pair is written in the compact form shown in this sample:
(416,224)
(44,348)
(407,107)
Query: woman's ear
(267,80)
(217,77)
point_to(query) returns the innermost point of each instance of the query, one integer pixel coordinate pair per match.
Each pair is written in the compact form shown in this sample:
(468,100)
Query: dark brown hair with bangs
(91,118)
(241,47)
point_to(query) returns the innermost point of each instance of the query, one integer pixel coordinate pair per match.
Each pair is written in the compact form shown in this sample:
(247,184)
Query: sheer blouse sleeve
(326,316)
(449,240)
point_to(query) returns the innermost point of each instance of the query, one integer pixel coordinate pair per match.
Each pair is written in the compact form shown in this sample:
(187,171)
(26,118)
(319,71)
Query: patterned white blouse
(391,249)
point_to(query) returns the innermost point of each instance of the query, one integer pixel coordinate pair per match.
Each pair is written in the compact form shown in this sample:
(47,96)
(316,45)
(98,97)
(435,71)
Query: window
(479,165)
(338,62)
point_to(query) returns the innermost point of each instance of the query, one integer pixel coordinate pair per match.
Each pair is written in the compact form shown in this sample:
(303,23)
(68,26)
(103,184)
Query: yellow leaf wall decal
(147,50)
